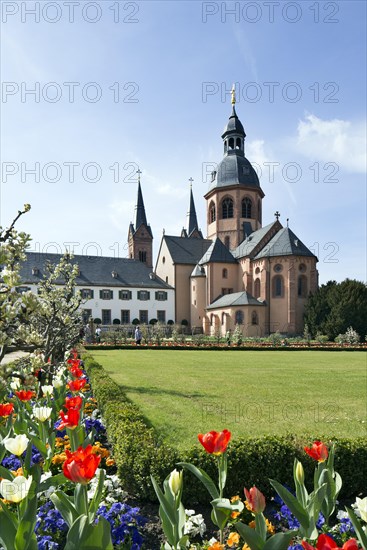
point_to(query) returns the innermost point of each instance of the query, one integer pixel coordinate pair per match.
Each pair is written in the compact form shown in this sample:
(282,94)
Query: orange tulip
(255,500)
(318,451)
(215,442)
(81,465)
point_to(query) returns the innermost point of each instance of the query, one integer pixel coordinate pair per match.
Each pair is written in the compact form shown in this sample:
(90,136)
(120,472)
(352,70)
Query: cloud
(121,213)
(335,140)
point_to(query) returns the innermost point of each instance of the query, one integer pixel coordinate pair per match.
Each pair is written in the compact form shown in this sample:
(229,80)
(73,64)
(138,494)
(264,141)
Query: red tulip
(70,420)
(215,442)
(76,385)
(255,500)
(24,395)
(76,372)
(324,542)
(6,409)
(73,362)
(318,451)
(81,465)
(73,402)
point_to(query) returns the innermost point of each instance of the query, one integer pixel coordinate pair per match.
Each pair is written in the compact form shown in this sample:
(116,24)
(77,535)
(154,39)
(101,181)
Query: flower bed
(224,347)
(58,478)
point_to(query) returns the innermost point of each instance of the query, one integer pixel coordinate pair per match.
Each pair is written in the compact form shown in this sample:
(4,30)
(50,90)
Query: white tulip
(16,445)
(42,413)
(47,390)
(58,383)
(175,481)
(15,384)
(361,507)
(15,490)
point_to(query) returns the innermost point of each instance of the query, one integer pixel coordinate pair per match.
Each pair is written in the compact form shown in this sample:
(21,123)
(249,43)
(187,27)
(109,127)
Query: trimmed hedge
(139,452)
(223,347)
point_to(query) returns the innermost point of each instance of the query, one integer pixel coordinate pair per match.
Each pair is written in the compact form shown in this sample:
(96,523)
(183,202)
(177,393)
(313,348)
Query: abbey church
(258,276)
(243,273)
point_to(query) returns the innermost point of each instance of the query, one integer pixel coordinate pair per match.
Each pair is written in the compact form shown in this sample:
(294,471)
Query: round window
(302,268)
(257,270)
(278,268)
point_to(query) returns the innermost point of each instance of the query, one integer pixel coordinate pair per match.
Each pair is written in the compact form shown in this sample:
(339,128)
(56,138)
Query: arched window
(226,242)
(227,208)
(212,216)
(278,286)
(257,288)
(254,318)
(212,319)
(223,318)
(246,207)
(238,143)
(225,273)
(239,317)
(302,286)
(231,143)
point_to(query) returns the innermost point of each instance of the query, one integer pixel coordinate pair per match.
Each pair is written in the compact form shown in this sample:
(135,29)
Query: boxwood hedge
(139,452)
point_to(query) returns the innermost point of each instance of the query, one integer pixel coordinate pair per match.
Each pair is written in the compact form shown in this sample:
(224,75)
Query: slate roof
(234,125)
(285,243)
(95,271)
(185,250)
(235,169)
(235,299)
(249,244)
(218,253)
(198,272)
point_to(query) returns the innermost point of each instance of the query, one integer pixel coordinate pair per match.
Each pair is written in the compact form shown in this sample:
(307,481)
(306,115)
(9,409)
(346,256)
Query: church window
(302,268)
(86,315)
(22,289)
(238,143)
(212,319)
(166,279)
(254,318)
(212,216)
(213,175)
(257,270)
(227,208)
(163,260)
(239,317)
(246,207)
(278,268)
(125,294)
(142,256)
(226,242)
(225,273)
(278,286)
(161,295)
(231,143)
(257,288)
(302,286)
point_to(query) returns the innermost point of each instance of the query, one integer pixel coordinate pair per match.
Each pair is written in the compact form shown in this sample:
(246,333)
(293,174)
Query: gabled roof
(284,243)
(235,299)
(185,250)
(217,252)
(249,244)
(95,270)
(198,272)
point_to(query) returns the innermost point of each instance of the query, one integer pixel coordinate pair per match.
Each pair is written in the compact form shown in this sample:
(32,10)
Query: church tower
(140,236)
(234,201)
(192,227)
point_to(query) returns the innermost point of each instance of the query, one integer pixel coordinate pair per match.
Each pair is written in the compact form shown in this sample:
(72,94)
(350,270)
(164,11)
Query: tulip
(47,390)
(73,402)
(6,409)
(360,507)
(16,490)
(57,383)
(81,465)
(324,542)
(16,445)
(24,395)
(300,473)
(70,420)
(175,481)
(42,413)
(318,451)
(76,385)
(255,500)
(15,384)
(215,442)
(76,372)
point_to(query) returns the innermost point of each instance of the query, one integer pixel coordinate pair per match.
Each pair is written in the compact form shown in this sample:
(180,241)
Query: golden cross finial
(233,94)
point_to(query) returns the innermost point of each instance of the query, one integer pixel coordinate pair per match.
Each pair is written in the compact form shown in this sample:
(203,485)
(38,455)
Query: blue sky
(146,84)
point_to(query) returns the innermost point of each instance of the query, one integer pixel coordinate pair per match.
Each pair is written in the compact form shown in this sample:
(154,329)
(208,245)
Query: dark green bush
(139,452)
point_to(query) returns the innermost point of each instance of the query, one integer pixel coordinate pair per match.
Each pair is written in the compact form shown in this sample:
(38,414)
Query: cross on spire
(191,180)
(139,172)
(277,215)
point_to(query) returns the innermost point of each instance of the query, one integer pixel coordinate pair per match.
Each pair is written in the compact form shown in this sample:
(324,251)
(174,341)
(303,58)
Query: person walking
(138,336)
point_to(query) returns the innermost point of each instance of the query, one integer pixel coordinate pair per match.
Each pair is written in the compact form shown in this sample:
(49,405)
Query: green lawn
(183,393)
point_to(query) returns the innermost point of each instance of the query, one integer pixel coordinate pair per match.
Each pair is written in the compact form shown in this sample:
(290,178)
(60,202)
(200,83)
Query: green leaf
(164,502)
(295,507)
(260,526)
(25,537)
(8,529)
(40,445)
(280,541)
(6,474)
(54,481)
(203,477)
(250,536)
(93,506)
(84,536)
(81,499)
(65,507)
(362,537)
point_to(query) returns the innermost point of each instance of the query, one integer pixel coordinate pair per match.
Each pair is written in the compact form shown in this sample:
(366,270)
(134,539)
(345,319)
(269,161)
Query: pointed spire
(140,216)
(192,221)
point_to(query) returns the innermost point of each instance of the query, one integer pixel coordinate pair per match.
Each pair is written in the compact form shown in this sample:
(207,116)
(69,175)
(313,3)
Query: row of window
(125,318)
(106,294)
(278,287)
(239,318)
(226,209)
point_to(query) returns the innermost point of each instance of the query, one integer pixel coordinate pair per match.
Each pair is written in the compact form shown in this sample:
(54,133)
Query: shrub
(153,321)
(139,452)
(97,321)
(170,322)
(321,338)
(184,322)
(350,337)
(116,322)
(135,321)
